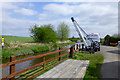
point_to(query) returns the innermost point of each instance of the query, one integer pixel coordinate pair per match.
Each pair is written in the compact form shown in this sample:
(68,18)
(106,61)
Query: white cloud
(86,13)
(7,5)
(59,9)
(84,0)
(43,16)
(59,1)
(31,5)
(13,0)
(93,17)
(82,9)
(25,11)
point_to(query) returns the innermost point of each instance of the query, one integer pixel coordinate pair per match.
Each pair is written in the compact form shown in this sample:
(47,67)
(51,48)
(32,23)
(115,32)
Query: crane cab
(95,38)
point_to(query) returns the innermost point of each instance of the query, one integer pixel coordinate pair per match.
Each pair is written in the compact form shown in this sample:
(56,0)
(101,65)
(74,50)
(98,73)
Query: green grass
(96,60)
(9,39)
(7,52)
(64,44)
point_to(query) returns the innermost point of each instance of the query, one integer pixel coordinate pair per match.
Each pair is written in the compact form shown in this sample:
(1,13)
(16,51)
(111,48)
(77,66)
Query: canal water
(24,65)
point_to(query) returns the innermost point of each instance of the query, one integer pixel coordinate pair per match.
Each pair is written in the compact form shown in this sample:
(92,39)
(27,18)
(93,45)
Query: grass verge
(18,51)
(7,52)
(64,44)
(96,60)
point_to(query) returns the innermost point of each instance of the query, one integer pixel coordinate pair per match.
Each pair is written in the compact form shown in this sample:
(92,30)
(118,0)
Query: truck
(91,41)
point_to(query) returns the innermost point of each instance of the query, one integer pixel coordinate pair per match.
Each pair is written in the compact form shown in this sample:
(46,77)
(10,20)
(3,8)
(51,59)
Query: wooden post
(73,48)
(79,47)
(82,46)
(12,67)
(60,54)
(44,63)
(71,52)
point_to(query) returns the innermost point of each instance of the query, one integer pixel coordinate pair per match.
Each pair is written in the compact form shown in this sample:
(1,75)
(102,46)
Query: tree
(44,33)
(107,40)
(73,37)
(63,31)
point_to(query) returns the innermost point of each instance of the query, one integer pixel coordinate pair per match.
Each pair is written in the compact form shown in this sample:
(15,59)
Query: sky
(93,17)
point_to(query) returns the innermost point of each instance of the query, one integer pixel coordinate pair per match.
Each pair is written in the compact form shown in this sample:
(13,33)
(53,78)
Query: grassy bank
(96,60)
(17,46)
(18,51)
(64,44)
(7,52)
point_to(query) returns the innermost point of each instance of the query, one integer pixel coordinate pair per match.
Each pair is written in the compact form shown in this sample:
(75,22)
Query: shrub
(44,33)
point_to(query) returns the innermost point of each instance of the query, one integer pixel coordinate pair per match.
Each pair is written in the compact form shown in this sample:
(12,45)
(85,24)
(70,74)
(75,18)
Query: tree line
(111,39)
(46,33)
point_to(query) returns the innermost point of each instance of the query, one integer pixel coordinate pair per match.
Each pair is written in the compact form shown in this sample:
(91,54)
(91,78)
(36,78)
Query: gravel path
(110,65)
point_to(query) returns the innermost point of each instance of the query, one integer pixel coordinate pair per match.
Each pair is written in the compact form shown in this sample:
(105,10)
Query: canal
(24,65)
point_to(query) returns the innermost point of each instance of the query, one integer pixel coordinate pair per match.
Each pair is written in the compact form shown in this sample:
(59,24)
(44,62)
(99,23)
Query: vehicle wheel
(86,49)
(98,49)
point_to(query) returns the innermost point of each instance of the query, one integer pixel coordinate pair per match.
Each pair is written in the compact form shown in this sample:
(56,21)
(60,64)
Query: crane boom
(79,29)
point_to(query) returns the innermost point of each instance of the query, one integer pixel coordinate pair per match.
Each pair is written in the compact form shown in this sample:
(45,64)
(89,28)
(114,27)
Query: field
(9,39)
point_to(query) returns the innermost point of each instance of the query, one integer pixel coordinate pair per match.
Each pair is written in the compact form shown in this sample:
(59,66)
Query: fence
(13,62)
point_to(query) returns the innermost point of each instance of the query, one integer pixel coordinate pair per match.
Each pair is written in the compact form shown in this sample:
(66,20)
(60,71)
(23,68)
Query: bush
(44,34)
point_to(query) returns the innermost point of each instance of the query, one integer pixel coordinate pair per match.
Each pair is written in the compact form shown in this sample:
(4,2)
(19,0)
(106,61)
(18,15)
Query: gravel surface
(111,64)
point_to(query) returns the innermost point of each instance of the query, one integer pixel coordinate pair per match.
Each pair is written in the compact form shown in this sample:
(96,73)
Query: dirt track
(111,62)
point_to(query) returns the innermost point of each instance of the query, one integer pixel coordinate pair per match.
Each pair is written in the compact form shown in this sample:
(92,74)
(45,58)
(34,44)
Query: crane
(92,41)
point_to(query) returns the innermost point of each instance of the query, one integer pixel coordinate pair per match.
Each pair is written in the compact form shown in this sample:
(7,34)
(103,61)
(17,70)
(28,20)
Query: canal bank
(27,64)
